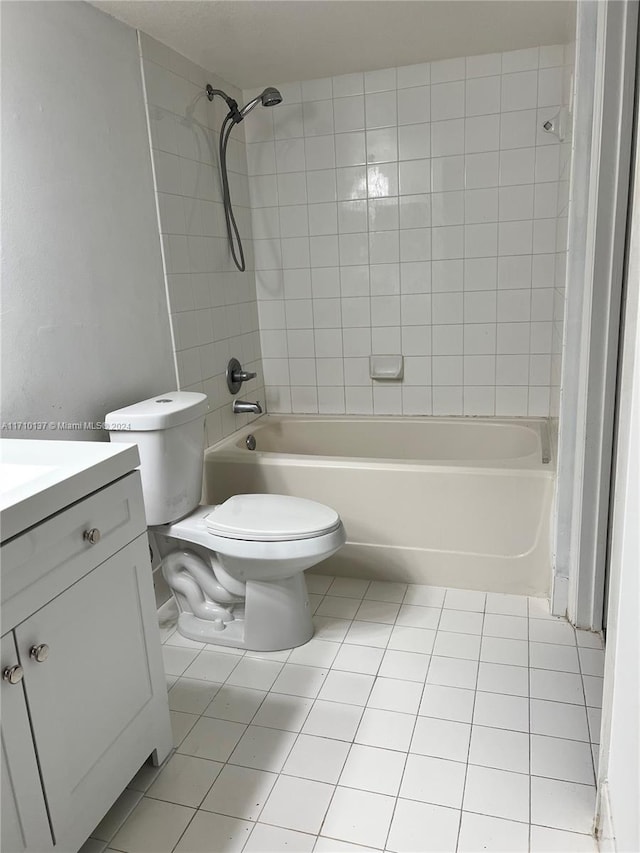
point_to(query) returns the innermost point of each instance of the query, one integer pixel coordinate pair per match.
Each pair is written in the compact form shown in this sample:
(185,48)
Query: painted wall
(85,326)
(213,308)
(412,210)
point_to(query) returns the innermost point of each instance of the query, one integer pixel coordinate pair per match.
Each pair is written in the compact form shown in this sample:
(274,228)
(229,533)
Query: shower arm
(234,112)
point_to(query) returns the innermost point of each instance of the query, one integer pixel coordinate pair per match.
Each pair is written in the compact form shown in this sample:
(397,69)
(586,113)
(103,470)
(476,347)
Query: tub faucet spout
(240,407)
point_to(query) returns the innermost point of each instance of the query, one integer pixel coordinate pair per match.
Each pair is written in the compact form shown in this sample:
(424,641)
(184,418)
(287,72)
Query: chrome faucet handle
(236,375)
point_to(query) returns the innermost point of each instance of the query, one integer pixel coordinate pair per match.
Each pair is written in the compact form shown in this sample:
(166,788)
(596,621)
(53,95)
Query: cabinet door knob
(13,674)
(39,653)
(92,536)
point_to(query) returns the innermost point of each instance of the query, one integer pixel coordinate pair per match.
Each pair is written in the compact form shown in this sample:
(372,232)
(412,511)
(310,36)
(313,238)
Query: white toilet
(236,569)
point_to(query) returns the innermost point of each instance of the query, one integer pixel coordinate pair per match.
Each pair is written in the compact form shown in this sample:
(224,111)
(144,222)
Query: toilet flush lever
(236,375)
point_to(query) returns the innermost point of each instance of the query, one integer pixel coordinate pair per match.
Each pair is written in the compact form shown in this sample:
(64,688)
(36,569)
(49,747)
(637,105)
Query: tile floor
(417,719)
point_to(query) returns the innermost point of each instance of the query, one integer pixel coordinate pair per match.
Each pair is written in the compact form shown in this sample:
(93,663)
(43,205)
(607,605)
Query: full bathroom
(319,414)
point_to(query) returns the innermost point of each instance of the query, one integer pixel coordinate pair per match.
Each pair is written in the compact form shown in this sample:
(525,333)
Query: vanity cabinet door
(86,692)
(25,826)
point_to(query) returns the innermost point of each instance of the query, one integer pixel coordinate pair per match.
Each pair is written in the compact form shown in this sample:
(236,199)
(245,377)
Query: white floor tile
(553,656)
(406,665)
(593,690)
(453,672)
(117,814)
(594,717)
(333,720)
(498,793)
(263,749)
(461,621)
(330,845)
(347,687)
(314,653)
(181,725)
(492,834)
(391,694)
(185,780)
(278,657)
(296,680)
(557,758)
(146,776)
(418,640)
(447,703)
(176,639)
(539,608)
(152,827)
(283,712)
(230,834)
(349,587)
(501,711)
(191,695)
(503,678)
(240,792)
(378,611)
(386,729)
(562,805)
(318,583)
(589,639)
(318,758)
(556,686)
(330,628)
(547,631)
(415,616)
(507,627)
(441,738)
(297,804)
(212,666)
(558,719)
(177,659)
(314,601)
(506,605)
(359,817)
(452,645)
(275,839)
(238,704)
(363,659)
(373,769)
(426,596)
(465,599)
(510,652)
(424,827)
(338,607)
(386,591)
(591,661)
(502,750)
(369,634)
(255,673)
(433,780)
(212,739)
(545,840)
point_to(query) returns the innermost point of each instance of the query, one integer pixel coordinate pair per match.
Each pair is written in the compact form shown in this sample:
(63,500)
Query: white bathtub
(462,502)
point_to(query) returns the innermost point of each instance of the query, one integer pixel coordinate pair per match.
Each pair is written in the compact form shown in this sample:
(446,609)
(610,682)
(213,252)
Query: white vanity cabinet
(84,698)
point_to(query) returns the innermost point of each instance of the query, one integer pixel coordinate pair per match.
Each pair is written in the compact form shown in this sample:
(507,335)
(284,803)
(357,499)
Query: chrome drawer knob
(92,536)
(39,653)
(13,674)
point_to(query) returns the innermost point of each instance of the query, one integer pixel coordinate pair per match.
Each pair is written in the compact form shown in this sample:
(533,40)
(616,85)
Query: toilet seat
(271,518)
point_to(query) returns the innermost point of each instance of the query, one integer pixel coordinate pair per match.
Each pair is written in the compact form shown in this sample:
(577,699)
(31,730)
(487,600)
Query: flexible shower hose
(232,229)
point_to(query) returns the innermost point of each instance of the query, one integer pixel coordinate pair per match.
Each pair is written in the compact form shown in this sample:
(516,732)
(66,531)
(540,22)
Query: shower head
(271,97)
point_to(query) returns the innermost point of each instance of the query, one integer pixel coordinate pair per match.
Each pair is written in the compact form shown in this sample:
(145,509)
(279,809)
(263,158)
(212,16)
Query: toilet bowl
(236,569)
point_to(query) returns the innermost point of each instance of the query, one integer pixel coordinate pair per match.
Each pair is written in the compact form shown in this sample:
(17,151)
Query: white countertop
(39,478)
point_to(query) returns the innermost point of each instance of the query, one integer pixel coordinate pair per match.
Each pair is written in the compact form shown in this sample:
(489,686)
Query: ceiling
(248,42)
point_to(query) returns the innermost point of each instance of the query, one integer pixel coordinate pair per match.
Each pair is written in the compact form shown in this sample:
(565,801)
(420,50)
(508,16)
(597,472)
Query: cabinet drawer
(44,561)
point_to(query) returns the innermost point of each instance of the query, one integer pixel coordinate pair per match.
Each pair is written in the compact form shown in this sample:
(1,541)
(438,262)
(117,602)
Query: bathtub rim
(226,449)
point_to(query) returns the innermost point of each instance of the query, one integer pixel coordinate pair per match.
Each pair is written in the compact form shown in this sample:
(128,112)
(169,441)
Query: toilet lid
(271,518)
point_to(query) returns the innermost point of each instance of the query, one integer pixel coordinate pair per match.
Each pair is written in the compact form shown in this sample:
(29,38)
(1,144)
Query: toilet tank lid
(159,412)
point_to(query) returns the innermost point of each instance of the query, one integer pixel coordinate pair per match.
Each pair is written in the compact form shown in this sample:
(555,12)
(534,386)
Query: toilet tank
(169,432)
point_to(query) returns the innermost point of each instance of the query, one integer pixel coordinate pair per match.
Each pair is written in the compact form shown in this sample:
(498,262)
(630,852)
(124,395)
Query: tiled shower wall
(212,305)
(415,211)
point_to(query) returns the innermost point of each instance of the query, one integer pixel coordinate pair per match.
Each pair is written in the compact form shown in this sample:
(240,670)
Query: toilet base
(276,616)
